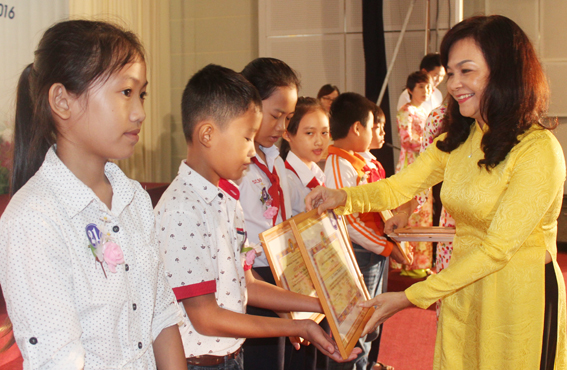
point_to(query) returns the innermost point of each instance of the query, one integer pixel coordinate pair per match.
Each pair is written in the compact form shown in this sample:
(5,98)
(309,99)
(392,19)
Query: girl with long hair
(79,267)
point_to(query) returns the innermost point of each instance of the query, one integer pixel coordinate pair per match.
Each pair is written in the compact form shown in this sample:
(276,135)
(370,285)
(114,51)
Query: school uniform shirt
(435,100)
(253,189)
(344,169)
(200,231)
(301,180)
(66,313)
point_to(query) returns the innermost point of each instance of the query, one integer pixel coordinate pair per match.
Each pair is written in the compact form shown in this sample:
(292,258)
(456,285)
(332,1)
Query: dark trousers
(275,353)
(550,319)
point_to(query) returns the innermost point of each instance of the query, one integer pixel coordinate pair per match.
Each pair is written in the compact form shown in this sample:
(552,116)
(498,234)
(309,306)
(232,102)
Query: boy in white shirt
(201,233)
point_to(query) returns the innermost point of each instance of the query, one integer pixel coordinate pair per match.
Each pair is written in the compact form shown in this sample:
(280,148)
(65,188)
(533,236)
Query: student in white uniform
(201,234)
(80,270)
(430,64)
(305,141)
(264,191)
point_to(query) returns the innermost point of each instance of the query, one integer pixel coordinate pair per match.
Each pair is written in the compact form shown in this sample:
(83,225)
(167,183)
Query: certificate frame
(398,243)
(424,234)
(283,254)
(328,255)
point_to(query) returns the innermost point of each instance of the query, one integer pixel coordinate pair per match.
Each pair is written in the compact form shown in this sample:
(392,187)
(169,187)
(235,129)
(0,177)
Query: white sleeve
(36,272)
(166,311)
(296,194)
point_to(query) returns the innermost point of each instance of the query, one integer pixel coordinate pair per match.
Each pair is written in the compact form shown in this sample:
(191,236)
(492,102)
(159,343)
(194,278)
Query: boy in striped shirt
(353,127)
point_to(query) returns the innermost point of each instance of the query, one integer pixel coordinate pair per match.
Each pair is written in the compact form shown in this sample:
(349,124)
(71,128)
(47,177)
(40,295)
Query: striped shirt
(344,169)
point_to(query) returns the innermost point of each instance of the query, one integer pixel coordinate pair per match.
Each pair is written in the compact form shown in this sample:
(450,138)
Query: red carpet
(408,340)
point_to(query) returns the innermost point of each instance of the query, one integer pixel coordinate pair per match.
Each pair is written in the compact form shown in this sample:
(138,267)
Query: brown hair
(516,94)
(327,90)
(267,74)
(76,54)
(414,78)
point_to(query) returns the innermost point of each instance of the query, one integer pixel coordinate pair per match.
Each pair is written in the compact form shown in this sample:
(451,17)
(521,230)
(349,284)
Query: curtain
(149,19)
(376,69)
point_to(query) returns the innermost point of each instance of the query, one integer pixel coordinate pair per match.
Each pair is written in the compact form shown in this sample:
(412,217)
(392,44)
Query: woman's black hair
(516,94)
(267,74)
(304,106)
(76,54)
(415,78)
(327,90)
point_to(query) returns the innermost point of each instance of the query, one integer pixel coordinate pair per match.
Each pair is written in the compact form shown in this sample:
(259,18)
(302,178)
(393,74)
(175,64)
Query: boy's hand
(296,342)
(397,256)
(324,198)
(324,343)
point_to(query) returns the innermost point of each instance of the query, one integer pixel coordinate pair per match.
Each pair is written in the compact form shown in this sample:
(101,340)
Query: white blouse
(252,185)
(66,313)
(299,180)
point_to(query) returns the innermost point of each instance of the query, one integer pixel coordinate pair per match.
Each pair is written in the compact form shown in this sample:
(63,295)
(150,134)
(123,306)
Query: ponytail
(32,137)
(284,149)
(76,54)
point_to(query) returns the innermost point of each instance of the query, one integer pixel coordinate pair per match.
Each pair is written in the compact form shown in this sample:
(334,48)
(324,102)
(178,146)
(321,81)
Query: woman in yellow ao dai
(494,289)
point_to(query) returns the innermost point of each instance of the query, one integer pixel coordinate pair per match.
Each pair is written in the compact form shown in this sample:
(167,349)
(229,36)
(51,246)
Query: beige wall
(223,32)
(226,32)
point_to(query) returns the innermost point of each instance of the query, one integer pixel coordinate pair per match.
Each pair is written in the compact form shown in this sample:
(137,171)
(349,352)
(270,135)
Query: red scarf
(275,191)
(375,174)
(311,185)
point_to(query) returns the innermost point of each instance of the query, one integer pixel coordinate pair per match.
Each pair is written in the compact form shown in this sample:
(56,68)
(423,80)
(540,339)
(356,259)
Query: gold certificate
(288,267)
(327,253)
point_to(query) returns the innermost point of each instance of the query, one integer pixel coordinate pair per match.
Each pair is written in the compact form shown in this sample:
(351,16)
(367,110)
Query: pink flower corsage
(104,249)
(271,212)
(249,256)
(112,254)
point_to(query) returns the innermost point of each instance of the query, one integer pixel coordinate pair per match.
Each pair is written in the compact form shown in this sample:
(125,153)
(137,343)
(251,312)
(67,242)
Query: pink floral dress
(431,131)
(411,121)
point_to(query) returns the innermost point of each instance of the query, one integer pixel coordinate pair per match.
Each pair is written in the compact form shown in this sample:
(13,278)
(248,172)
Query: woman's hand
(386,304)
(324,198)
(398,221)
(323,341)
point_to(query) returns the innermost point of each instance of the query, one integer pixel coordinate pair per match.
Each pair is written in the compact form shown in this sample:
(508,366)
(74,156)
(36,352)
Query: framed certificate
(424,234)
(399,244)
(286,262)
(327,253)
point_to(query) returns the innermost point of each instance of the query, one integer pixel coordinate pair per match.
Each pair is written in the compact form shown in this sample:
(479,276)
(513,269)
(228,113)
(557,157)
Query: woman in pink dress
(411,120)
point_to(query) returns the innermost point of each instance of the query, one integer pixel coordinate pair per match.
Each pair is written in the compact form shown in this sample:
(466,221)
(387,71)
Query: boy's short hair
(216,93)
(347,109)
(430,62)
